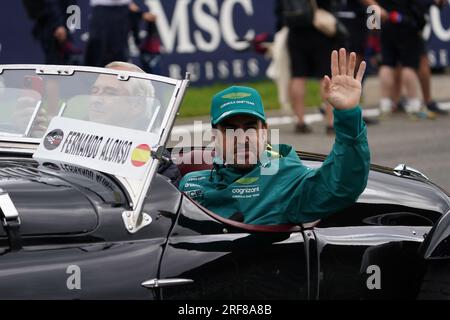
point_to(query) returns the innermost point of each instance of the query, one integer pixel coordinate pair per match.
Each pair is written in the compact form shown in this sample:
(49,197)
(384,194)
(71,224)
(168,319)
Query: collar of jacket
(223,175)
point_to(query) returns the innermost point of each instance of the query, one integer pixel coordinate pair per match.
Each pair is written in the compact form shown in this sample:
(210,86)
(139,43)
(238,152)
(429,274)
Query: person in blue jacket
(241,185)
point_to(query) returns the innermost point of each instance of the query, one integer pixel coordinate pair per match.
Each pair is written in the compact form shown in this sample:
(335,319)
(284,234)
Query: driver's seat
(194,160)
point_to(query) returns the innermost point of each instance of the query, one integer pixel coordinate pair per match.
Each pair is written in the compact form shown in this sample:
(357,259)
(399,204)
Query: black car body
(71,238)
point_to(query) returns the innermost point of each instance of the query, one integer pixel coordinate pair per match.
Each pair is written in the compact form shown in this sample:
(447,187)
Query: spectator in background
(50,29)
(401,46)
(424,71)
(352,13)
(309,51)
(243,152)
(108,32)
(150,46)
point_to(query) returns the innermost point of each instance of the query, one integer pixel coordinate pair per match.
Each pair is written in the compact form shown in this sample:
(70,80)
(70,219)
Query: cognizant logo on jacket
(245,192)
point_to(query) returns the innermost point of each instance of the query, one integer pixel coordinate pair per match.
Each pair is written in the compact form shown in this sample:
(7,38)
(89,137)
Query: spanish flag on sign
(140,155)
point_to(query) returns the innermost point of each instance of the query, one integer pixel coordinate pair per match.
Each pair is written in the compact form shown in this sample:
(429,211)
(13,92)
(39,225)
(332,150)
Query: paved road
(422,144)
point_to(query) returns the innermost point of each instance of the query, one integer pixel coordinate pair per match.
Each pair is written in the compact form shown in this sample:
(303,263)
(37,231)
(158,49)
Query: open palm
(343,90)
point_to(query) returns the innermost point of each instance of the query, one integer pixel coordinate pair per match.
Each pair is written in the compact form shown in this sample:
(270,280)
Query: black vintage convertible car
(85,215)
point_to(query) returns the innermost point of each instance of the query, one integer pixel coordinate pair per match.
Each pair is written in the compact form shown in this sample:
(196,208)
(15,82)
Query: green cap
(236,100)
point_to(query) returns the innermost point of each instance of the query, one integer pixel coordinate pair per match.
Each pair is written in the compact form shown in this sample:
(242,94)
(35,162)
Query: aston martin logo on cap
(236,100)
(236,95)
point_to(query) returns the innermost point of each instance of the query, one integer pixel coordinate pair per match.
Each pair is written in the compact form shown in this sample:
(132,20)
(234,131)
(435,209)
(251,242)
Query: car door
(367,262)
(74,241)
(212,260)
(89,269)
(372,252)
(68,250)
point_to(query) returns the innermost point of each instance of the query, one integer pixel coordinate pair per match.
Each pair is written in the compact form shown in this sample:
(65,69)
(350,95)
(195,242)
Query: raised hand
(343,90)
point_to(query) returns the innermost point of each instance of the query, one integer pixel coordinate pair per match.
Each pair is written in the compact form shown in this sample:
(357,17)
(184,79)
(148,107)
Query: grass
(197,99)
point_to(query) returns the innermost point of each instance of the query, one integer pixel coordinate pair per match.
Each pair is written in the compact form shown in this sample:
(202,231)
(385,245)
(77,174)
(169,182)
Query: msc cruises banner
(199,36)
(437,33)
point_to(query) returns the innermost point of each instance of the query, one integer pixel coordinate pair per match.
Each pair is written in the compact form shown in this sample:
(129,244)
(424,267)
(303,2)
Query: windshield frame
(136,191)
(69,70)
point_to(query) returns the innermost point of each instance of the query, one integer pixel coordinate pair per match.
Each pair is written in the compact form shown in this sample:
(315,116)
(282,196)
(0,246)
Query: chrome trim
(402,170)
(123,77)
(157,283)
(8,134)
(53,70)
(33,116)
(372,235)
(134,226)
(56,70)
(8,210)
(153,120)
(61,111)
(136,221)
(179,94)
(16,145)
(16,150)
(15,139)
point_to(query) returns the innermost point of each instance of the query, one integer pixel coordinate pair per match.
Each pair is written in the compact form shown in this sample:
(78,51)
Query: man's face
(241,140)
(108,100)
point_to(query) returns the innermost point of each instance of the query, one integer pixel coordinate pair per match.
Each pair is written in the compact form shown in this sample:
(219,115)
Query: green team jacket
(296,193)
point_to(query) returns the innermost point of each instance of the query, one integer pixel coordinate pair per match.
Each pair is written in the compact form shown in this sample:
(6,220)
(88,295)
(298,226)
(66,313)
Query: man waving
(239,186)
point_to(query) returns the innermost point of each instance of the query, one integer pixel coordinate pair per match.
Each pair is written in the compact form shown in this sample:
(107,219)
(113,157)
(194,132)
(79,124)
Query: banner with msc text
(118,151)
(209,39)
(203,37)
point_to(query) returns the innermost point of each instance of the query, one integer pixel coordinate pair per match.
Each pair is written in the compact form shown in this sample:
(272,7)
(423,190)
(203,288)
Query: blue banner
(437,34)
(201,37)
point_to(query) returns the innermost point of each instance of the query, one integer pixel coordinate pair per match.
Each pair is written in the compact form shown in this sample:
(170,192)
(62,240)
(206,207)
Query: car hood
(55,198)
(384,187)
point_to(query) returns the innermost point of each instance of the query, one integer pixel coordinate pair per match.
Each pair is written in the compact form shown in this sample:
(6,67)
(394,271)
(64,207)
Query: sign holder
(135,219)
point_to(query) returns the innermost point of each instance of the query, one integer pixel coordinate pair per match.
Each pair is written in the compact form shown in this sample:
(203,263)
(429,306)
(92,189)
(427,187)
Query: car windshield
(30,99)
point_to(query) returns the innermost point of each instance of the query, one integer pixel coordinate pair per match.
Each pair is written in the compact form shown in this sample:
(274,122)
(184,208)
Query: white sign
(217,22)
(118,151)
